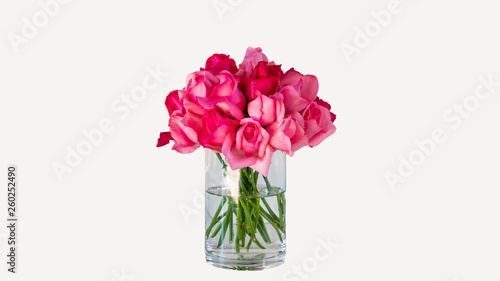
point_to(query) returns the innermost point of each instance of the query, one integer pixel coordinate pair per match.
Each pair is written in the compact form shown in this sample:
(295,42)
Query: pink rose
(183,124)
(205,91)
(298,90)
(288,134)
(252,88)
(249,147)
(252,57)
(318,123)
(266,69)
(266,110)
(281,133)
(185,137)
(219,62)
(265,79)
(174,104)
(328,106)
(299,139)
(215,129)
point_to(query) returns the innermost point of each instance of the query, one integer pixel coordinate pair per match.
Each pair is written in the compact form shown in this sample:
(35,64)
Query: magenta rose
(215,130)
(252,88)
(266,69)
(249,147)
(258,75)
(298,90)
(219,62)
(318,122)
(174,104)
(265,79)
(267,110)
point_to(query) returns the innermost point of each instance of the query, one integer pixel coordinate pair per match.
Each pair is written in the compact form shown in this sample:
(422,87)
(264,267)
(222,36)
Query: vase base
(249,265)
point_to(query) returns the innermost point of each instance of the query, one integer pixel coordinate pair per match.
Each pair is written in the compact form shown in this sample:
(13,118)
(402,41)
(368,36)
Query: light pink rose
(318,124)
(215,129)
(267,110)
(281,133)
(185,137)
(249,147)
(288,135)
(298,90)
(299,139)
(205,91)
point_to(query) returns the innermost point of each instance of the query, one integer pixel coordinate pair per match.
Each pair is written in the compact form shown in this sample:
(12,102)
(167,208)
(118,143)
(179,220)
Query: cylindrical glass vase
(244,214)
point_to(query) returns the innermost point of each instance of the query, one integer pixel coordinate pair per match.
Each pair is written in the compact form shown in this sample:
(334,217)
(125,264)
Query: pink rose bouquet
(245,114)
(248,112)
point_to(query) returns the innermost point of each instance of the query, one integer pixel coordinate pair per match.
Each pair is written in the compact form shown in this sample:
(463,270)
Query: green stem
(246,213)
(225,222)
(224,165)
(231,211)
(270,209)
(217,229)
(238,226)
(261,227)
(215,219)
(281,204)
(281,209)
(248,217)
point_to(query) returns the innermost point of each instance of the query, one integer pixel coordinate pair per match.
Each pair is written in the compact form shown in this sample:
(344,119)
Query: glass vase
(245,214)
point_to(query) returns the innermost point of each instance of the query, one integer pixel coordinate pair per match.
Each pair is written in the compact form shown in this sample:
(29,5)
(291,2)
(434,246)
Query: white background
(119,210)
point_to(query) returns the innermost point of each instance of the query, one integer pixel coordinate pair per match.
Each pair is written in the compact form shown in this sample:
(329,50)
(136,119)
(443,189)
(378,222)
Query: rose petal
(292,99)
(185,138)
(173,103)
(290,77)
(299,140)
(192,120)
(310,87)
(266,86)
(262,164)
(322,135)
(280,133)
(226,85)
(236,159)
(164,139)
